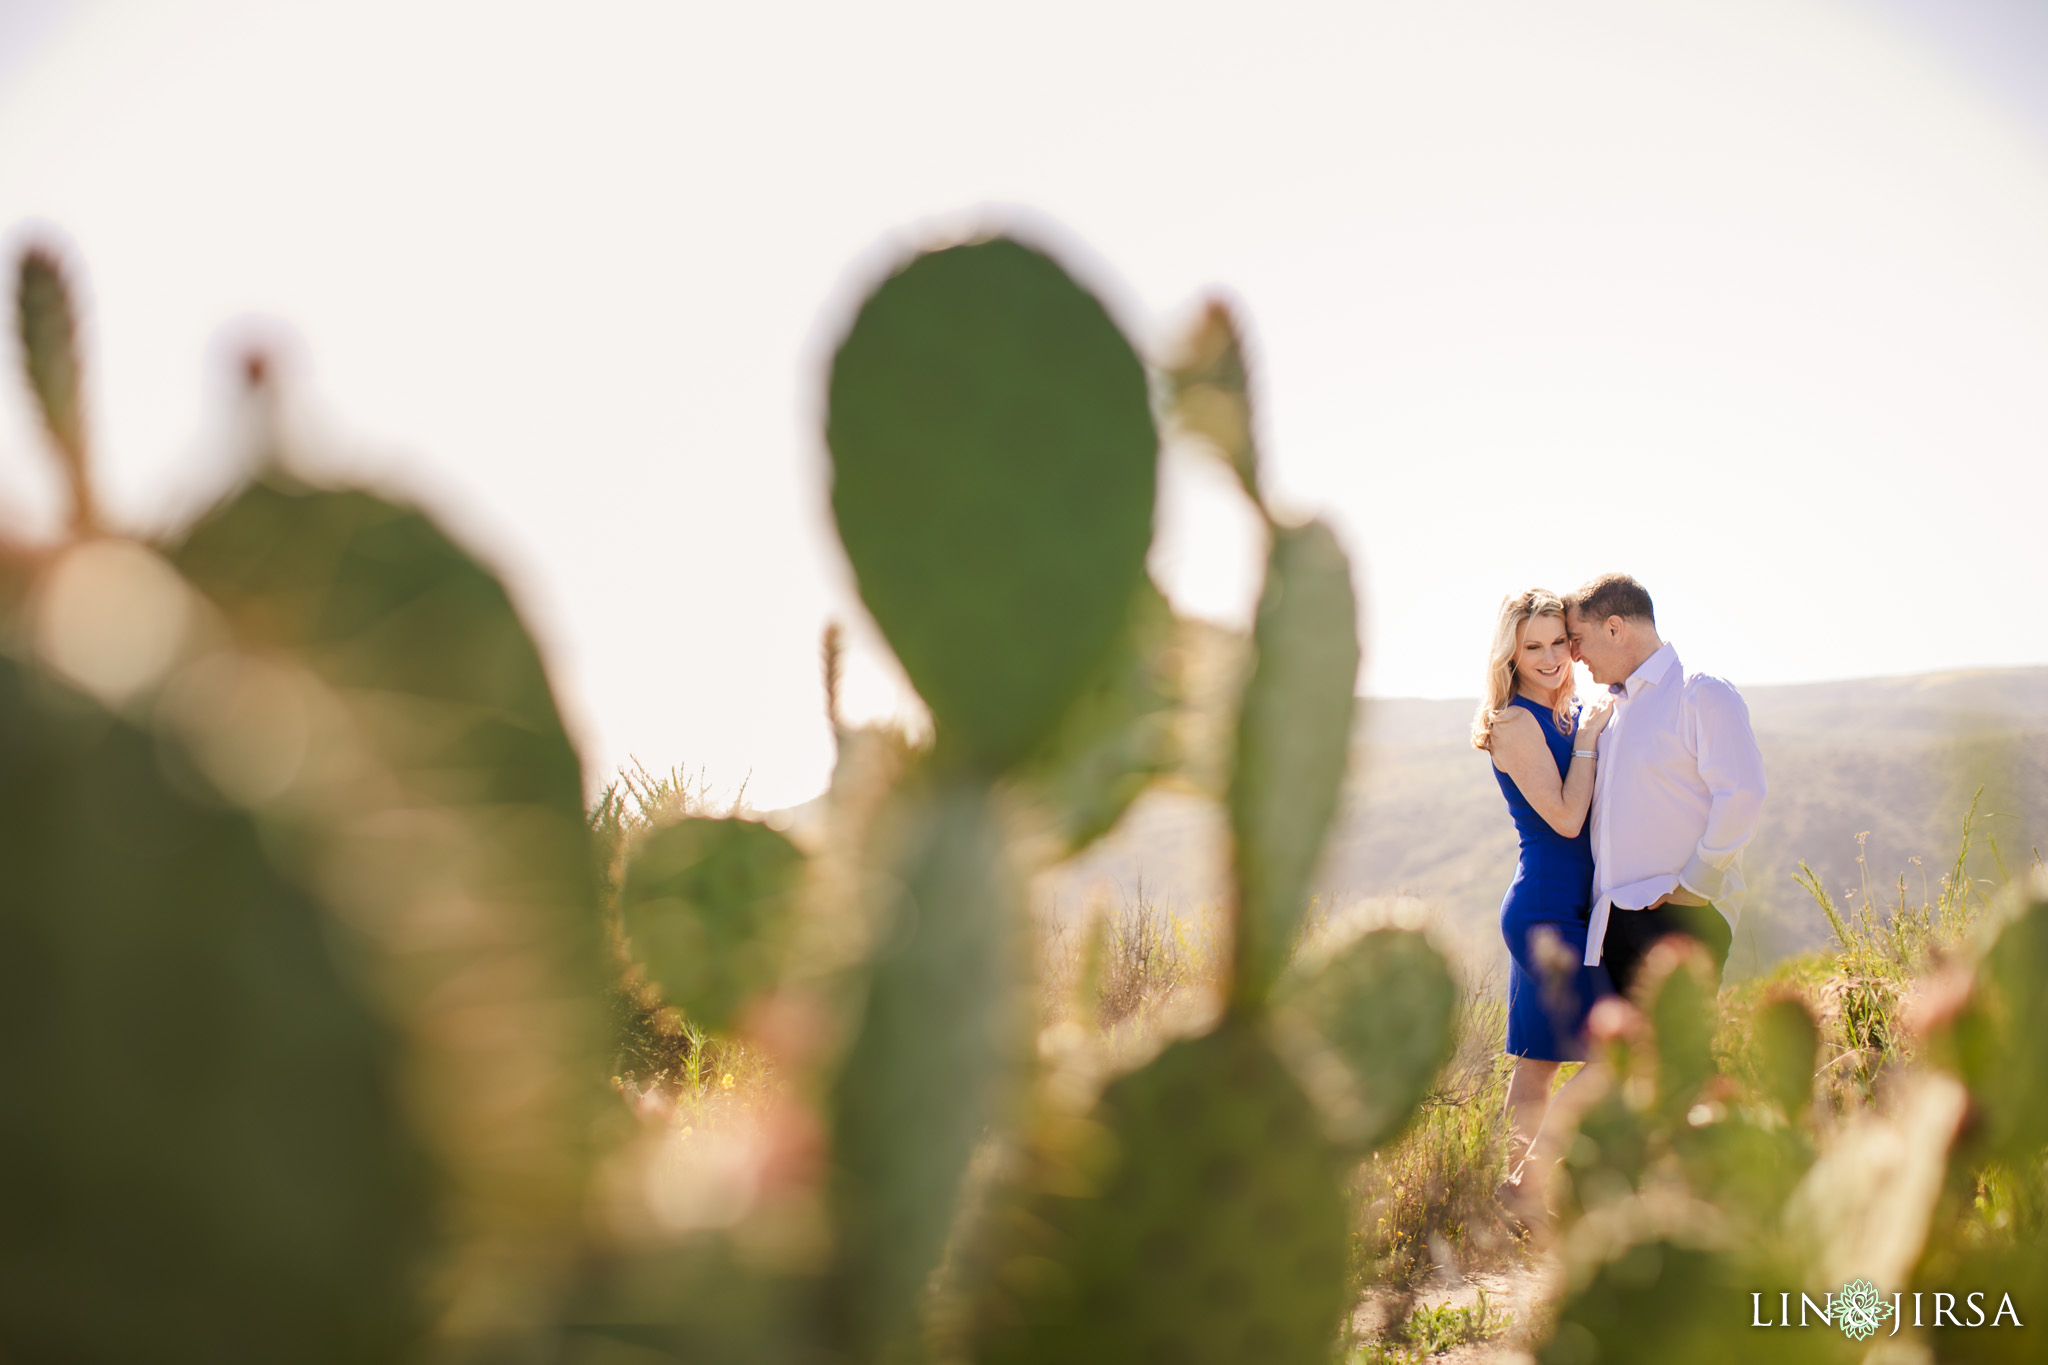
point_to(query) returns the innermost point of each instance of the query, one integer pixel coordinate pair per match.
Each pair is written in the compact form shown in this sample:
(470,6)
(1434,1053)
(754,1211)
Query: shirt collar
(1649,673)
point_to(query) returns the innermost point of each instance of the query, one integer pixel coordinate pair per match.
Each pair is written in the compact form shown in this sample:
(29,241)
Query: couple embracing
(1632,812)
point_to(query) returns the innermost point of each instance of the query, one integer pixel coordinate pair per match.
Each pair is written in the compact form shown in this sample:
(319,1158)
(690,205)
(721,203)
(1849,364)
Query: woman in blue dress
(1542,743)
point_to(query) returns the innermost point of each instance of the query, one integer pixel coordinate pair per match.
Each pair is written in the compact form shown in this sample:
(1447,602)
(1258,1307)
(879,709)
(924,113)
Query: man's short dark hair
(1613,594)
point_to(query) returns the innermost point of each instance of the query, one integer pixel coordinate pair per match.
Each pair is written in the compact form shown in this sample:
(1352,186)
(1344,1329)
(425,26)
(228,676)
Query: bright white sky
(1748,297)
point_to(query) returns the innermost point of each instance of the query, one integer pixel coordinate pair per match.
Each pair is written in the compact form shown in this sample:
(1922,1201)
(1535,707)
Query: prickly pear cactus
(1197,1212)
(1376,1017)
(993,461)
(1684,1189)
(1997,1043)
(1641,1293)
(47,322)
(1211,396)
(360,737)
(1666,1120)
(1118,735)
(206,1147)
(446,829)
(708,906)
(1204,1223)
(204,1153)
(699,1300)
(937,1052)
(993,465)
(1680,1002)
(383,603)
(1293,741)
(1626,1132)
(1787,1040)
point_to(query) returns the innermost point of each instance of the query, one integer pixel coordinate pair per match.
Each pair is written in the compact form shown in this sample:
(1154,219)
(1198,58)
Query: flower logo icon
(1859,1309)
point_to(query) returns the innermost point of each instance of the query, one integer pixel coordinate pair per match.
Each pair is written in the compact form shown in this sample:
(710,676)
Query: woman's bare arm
(1520,752)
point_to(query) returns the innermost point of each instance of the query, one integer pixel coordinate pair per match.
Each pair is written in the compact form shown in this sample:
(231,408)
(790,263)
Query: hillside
(1896,757)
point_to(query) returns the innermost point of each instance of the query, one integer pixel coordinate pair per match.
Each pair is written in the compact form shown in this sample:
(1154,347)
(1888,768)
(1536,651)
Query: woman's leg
(1528,1099)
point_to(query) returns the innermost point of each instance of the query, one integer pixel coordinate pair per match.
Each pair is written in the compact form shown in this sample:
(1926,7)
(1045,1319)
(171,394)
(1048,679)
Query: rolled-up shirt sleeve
(1733,769)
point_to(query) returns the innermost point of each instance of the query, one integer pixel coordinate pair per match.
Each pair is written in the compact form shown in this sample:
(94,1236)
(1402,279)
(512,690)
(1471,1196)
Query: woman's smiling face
(1543,656)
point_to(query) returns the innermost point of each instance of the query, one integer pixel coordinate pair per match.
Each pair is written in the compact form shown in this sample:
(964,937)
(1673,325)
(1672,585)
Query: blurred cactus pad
(993,470)
(337,1024)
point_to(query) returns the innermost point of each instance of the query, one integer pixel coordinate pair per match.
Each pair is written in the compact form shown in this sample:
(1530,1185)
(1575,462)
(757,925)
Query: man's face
(1602,646)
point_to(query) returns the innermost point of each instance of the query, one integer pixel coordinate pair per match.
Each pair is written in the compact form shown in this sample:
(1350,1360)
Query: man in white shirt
(1677,791)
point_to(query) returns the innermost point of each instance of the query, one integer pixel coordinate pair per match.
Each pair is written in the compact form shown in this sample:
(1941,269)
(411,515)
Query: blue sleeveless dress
(1553,890)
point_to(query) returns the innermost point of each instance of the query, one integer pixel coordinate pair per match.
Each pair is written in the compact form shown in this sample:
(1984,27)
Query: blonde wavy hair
(1515,612)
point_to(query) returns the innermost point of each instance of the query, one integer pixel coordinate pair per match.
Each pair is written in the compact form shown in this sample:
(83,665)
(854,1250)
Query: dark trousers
(1632,933)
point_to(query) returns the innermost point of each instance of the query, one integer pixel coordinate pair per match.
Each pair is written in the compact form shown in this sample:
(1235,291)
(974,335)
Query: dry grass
(1861,988)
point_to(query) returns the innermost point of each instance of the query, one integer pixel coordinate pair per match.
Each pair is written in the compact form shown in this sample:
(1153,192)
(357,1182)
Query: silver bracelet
(1585,753)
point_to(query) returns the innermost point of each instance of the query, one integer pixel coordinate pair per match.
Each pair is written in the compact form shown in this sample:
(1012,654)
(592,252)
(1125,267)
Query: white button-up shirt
(1676,794)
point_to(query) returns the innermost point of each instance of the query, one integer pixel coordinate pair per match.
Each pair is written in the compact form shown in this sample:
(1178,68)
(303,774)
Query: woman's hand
(1598,712)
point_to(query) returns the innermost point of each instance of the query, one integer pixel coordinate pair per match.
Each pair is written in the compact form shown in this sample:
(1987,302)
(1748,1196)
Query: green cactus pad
(1205,1223)
(1293,743)
(940,1041)
(994,463)
(1119,733)
(1658,1299)
(448,832)
(698,1300)
(707,906)
(1786,1041)
(1665,1110)
(378,598)
(203,1154)
(1680,1001)
(1998,1042)
(1611,1150)
(1383,1006)
(47,324)
(1211,395)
